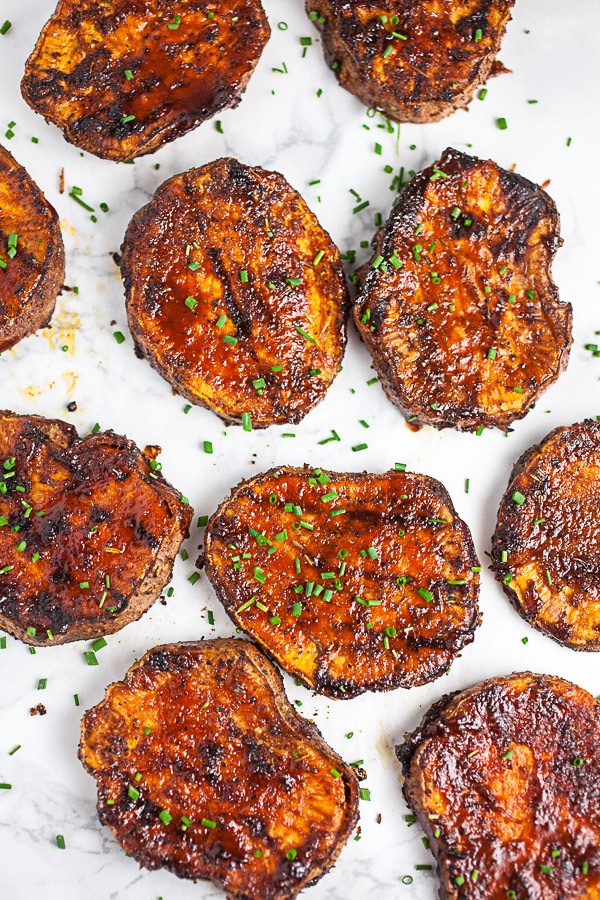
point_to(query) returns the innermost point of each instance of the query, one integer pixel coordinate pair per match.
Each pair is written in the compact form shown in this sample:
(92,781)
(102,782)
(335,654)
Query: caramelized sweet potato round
(546,547)
(235,294)
(458,307)
(121,79)
(88,531)
(417,62)
(32,255)
(204,767)
(351,582)
(504,779)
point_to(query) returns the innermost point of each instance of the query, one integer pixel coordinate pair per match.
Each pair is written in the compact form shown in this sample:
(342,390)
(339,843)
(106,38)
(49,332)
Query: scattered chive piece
(478,34)
(229,339)
(291,854)
(365,794)
(99,644)
(502,123)
(90,658)
(194,577)
(221,320)
(165,816)
(60,842)
(208,823)
(132,792)
(128,74)
(126,119)
(547,870)
(119,336)
(336,773)
(5,27)
(358,447)
(518,498)
(305,334)
(244,276)
(76,699)
(425,594)
(246,422)
(296,609)
(14,750)
(42,684)
(191,303)
(491,354)
(208,447)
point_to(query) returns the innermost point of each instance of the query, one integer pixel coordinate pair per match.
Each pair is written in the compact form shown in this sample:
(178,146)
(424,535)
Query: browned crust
(546,549)
(462,318)
(425,77)
(240,245)
(90,542)
(187,62)
(501,777)
(209,728)
(369,622)
(31,280)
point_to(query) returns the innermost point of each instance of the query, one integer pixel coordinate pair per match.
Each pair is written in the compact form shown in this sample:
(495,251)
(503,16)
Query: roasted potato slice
(235,294)
(121,79)
(546,547)
(204,767)
(503,779)
(89,530)
(351,582)
(414,61)
(457,306)
(32,255)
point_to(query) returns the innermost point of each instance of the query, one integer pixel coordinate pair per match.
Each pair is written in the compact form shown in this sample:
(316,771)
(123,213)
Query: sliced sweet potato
(235,294)
(89,530)
(457,306)
(351,582)
(204,767)
(417,62)
(32,255)
(546,547)
(121,79)
(503,779)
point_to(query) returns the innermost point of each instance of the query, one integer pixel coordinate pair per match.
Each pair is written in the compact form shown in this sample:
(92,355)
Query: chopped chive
(90,658)
(60,842)
(425,594)
(221,320)
(518,498)
(165,816)
(99,644)
(502,124)
(305,334)
(5,27)
(191,303)
(358,447)
(246,422)
(133,793)
(119,336)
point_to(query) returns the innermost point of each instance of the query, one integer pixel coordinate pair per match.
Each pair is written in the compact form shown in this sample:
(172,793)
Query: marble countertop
(297,120)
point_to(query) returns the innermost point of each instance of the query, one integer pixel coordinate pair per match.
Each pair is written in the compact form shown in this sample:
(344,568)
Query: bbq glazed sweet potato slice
(458,307)
(414,61)
(546,547)
(503,779)
(89,530)
(233,785)
(351,582)
(32,255)
(235,294)
(120,79)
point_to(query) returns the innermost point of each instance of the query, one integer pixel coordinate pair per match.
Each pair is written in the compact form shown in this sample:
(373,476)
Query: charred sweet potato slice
(121,79)
(415,61)
(235,294)
(546,547)
(89,531)
(204,767)
(351,582)
(32,255)
(503,779)
(458,307)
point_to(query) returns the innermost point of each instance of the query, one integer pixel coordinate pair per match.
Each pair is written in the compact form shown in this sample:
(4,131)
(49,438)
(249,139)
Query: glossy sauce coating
(350,582)
(457,307)
(546,548)
(122,78)
(505,781)
(235,293)
(88,531)
(415,61)
(32,256)
(204,767)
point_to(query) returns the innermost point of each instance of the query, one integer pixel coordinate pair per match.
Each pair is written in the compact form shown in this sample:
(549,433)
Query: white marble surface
(552,48)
